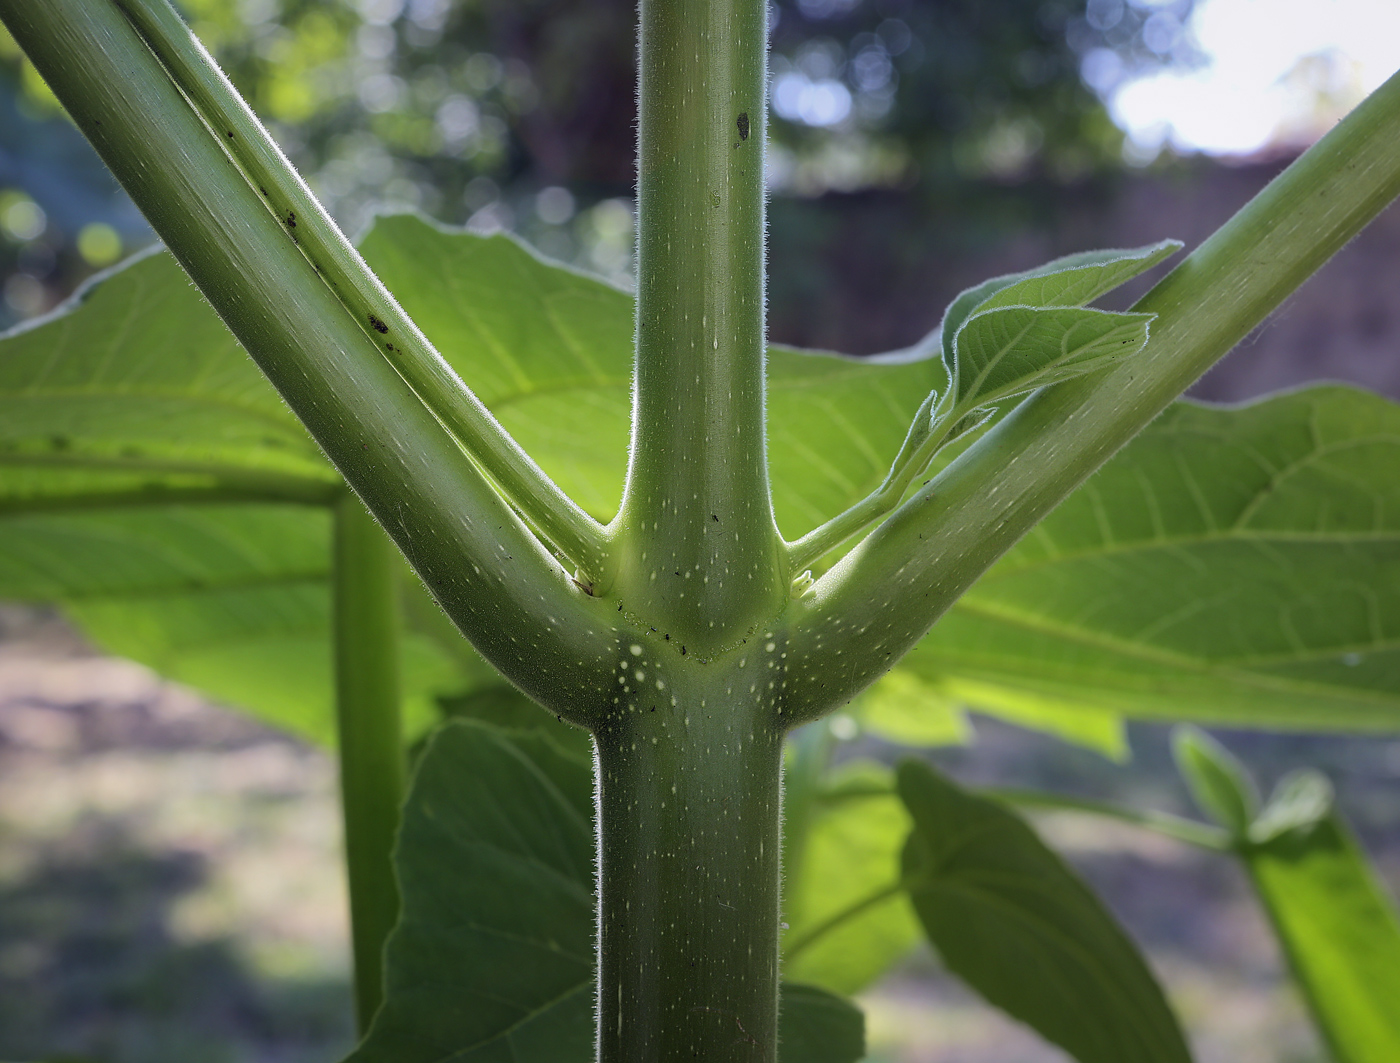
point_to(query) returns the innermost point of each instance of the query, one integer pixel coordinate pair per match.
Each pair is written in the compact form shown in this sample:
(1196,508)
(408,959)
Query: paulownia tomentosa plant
(1227,566)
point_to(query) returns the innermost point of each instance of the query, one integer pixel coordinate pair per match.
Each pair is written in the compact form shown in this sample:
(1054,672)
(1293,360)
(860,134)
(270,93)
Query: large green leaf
(1011,919)
(904,709)
(233,599)
(1237,564)
(493,956)
(1230,564)
(548,349)
(815,1026)
(137,389)
(154,483)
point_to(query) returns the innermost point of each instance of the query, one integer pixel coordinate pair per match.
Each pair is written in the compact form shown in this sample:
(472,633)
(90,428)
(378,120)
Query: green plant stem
(570,529)
(202,488)
(366,637)
(490,573)
(1178,828)
(698,541)
(689,758)
(918,449)
(689,848)
(879,600)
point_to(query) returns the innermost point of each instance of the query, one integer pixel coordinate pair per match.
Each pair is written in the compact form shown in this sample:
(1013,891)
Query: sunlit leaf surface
(1233,565)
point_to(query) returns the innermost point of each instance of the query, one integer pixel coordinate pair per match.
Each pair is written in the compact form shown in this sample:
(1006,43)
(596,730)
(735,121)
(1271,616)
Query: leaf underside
(1230,565)
(1340,933)
(852,851)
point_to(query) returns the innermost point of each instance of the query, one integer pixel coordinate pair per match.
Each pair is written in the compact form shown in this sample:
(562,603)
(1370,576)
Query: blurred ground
(170,877)
(170,884)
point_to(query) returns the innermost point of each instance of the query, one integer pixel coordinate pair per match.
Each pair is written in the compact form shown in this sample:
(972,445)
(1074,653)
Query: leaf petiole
(547,509)
(842,917)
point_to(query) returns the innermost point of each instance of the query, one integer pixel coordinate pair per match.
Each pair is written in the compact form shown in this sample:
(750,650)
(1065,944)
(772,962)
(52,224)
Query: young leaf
(1080,279)
(1220,786)
(1300,800)
(1011,350)
(1074,280)
(1339,929)
(1011,919)
(493,956)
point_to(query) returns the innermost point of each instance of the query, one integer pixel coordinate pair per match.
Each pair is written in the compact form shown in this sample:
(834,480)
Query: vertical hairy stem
(808,757)
(690,754)
(371,747)
(689,850)
(698,539)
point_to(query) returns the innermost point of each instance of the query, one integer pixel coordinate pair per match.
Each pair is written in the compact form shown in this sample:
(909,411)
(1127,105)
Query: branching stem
(697,542)
(572,531)
(879,600)
(920,444)
(484,565)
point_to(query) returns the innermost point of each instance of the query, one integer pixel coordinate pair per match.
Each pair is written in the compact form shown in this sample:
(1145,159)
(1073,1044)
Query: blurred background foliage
(970,116)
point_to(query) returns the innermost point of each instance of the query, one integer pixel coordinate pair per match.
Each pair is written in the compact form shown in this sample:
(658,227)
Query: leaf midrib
(1158,655)
(1011,566)
(284,424)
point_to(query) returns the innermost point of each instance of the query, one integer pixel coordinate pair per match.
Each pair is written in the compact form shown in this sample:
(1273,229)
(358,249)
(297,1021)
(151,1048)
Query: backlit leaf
(852,852)
(1008,351)
(1340,934)
(1230,565)
(1074,280)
